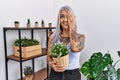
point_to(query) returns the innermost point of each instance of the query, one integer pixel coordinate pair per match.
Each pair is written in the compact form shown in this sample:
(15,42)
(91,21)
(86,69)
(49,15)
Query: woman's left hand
(71,21)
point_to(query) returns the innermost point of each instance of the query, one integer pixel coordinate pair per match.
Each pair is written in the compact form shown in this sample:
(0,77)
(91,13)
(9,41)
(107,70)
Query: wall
(97,19)
(21,10)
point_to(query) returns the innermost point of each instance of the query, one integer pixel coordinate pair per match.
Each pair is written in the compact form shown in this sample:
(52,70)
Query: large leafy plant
(100,67)
(26,42)
(59,50)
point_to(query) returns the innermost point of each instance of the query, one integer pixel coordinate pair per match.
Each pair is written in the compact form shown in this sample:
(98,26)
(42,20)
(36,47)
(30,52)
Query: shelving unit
(20,59)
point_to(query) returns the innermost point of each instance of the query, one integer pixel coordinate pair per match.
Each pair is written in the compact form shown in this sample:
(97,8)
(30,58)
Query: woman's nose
(66,19)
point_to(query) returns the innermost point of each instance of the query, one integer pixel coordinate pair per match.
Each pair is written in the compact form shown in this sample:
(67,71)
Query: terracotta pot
(29,77)
(62,61)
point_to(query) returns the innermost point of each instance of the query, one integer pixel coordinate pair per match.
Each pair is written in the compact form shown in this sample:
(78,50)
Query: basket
(28,51)
(64,61)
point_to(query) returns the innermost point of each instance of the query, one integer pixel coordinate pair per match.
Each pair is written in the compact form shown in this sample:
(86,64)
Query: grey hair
(56,34)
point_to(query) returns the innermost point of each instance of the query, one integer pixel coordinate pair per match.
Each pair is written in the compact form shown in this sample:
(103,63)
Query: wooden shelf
(25,28)
(15,58)
(39,75)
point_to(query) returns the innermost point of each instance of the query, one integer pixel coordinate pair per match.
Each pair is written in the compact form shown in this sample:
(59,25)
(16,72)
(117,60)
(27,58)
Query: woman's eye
(62,16)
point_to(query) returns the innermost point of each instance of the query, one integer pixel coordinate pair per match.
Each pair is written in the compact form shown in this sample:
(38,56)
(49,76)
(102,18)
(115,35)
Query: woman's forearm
(76,41)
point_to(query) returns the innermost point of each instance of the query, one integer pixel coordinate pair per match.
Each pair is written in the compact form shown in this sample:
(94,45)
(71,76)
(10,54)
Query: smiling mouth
(66,24)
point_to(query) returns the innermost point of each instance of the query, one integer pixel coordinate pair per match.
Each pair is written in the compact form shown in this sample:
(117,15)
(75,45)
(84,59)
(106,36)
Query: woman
(66,33)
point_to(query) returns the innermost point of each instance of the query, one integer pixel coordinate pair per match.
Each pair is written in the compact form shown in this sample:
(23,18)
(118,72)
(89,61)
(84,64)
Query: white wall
(11,10)
(97,19)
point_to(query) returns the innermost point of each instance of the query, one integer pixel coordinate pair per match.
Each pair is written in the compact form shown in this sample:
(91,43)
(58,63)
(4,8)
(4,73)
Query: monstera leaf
(112,73)
(103,75)
(118,73)
(95,65)
(119,53)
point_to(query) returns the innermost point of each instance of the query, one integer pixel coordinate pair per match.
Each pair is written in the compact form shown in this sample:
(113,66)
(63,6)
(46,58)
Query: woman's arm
(49,58)
(76,40)
(52,63)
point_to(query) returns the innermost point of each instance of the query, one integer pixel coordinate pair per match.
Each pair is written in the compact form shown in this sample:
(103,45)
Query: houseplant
(100,67)
(43,23)
(36,24)
(28,72)
(59,52)
(16,23)
(29,47)
(28,23)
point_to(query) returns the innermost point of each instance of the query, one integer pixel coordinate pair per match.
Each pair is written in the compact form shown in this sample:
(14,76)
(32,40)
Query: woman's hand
(71,21)
(57,68)
(76,40)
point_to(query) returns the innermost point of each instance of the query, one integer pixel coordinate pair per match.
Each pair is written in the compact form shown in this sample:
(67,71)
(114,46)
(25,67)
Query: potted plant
(59,53)
(29,47)
(28,72)
(43,23)
(36,24)
(100,67)
(16,23)
(28,23)
(50,25)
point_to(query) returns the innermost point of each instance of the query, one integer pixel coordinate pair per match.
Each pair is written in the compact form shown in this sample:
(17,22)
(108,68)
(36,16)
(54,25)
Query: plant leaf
(118,73)
(119,53)
(112,73)
(86,70)
(95,65)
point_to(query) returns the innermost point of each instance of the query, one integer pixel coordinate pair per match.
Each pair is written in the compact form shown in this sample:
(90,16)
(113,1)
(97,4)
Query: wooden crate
(28,51)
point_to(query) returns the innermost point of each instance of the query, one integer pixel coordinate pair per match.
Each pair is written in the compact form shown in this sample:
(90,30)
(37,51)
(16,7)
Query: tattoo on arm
(73,35)
(78,39)
(80,44)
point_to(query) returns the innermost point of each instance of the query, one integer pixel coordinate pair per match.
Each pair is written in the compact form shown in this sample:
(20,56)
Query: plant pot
(62,61)
(43,25)
(28,51)
(16,23)
(28,25)
(29,77)
(50,25)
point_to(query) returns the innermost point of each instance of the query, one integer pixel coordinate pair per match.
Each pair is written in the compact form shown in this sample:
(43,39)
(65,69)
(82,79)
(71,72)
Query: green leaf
(86,70)
(119,53)
(26,42)
(112,73)
(58,50)
(102,76)
(118,73)
(95,65)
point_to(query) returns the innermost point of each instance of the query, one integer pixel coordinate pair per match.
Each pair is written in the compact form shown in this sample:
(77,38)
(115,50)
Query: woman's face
(63,19)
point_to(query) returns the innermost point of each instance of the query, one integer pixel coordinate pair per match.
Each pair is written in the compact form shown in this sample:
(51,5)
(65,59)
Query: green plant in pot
(28,72)
(16,23)
(42,23)
(100,67)
(26,42)
(28,23)
(59,53)
(29,47)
